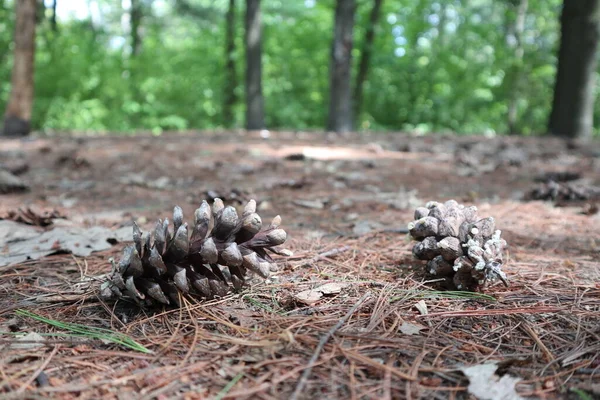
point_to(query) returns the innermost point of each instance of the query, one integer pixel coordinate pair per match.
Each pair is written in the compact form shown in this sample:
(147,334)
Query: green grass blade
(444,294)
(582,395)
(228,387)
(79,331)
(258,304)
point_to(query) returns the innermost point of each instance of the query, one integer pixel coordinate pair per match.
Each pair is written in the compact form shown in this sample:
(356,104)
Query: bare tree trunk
(255,114)
(17,119)
(365,57)
(230,75)
(340,93)
(135,14)
(515,92)
(53,23)
(574,91)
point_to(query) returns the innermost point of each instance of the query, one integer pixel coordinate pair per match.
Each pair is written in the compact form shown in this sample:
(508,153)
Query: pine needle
(229,386)
(78,330)
(448,294)
(457,294)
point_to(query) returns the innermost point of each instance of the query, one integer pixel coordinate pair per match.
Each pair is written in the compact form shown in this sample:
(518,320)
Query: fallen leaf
(24,242)
(486,385)
(28,341)
(311,296)
(410,329)
(331,288)
(31,215)
(421,306)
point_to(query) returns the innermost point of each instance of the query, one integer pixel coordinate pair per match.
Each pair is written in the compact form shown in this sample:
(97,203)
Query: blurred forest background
(467,66)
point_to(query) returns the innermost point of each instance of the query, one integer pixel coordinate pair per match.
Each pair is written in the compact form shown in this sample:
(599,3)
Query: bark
(255,114)
(340,96)
(53,23)
(517,32)
(230,75)
(17,119)
(135,14)
(574,91)
(365,56)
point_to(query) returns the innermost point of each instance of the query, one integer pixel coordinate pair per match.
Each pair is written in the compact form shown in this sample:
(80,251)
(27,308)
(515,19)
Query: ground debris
(564,192)
(314,204)
(558,176)
(486,385)
(9,183)
(550,308)
(139,179)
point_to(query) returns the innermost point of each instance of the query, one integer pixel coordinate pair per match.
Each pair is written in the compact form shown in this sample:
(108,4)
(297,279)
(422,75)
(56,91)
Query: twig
(322,342)
(414,372)
(387,379)
(505,311)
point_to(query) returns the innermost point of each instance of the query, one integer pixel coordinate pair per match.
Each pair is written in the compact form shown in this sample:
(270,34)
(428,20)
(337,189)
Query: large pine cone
(202,264)
(457,245)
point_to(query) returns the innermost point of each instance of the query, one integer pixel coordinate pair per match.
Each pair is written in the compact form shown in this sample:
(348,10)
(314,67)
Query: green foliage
(436,66)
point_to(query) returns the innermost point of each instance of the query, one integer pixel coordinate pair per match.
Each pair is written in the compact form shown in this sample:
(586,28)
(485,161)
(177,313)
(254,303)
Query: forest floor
(345,201)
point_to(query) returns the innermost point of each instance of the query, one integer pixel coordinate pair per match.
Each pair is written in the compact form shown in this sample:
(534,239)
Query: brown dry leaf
(486,385)
(308,297)
(32,215)
(331,288)
(311,296)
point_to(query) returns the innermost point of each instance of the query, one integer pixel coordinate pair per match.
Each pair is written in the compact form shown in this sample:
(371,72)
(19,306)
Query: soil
(345,203)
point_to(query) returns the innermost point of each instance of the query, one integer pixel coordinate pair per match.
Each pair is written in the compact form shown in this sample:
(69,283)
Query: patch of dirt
(345,202)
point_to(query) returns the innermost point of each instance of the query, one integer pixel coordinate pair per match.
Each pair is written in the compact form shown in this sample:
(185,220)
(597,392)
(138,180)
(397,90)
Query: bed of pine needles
(263,343)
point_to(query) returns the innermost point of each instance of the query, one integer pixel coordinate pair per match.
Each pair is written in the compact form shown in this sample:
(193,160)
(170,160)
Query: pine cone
(160,267)
(458,245)
(564,192)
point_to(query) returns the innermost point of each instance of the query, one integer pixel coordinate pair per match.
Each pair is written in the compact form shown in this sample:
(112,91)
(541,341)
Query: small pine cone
(221,248)
(457,245)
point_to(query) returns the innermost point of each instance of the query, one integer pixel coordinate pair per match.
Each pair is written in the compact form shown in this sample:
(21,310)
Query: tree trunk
(365,57)
(135,14)
(517,33)
(255,114)
(573,105)
(340,93)
(230,75)
(17,119)
(53,23)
